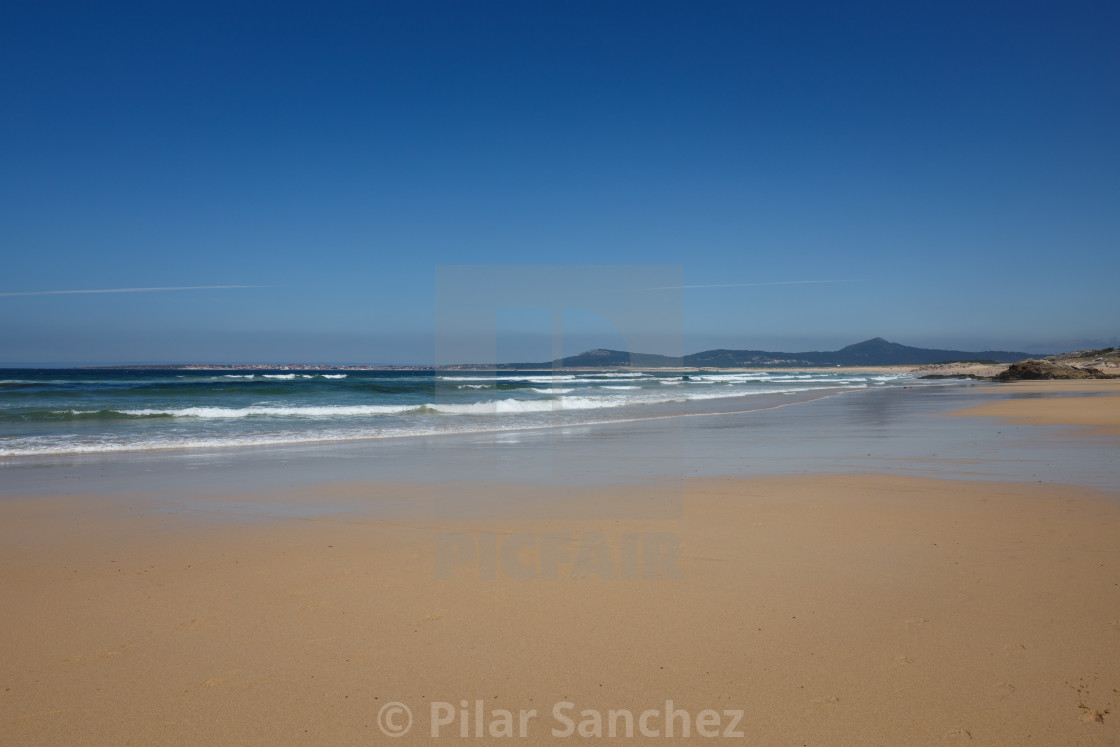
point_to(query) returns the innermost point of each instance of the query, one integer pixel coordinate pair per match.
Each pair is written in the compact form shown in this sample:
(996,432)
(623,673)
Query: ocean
(82,411)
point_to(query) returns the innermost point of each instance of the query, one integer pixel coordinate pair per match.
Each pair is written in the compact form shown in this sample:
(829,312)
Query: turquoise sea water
(78,411)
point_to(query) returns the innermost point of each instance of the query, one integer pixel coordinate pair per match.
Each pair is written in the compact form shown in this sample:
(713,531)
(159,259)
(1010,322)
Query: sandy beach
(808,609)
(403,373)
(1090,402)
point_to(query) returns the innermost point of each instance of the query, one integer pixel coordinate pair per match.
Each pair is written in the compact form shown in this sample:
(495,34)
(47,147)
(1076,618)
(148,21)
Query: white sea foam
(324,411)
(733,378)
(565,379)
(505,406)
(40,447)
(588,378)
(101,447)
(487,407)
(554,390)
(508,377)
(334,376)
(595,403)
(620,375)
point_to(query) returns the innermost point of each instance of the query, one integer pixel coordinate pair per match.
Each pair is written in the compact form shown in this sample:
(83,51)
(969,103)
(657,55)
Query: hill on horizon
(873,352)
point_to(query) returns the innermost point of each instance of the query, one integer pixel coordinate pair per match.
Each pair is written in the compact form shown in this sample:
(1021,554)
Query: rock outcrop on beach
(1045,369)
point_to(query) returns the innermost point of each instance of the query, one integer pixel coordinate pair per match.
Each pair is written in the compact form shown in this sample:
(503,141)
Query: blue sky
(956,165)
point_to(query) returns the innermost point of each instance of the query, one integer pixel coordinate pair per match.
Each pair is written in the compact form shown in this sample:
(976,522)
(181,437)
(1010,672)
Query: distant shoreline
(874,354)
(897,368)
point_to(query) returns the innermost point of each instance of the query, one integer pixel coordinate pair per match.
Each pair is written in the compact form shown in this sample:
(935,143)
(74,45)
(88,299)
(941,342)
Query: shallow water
(80,411)
(897,431)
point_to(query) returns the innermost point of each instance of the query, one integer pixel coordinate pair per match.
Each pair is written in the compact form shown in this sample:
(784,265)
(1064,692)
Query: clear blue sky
(958,163)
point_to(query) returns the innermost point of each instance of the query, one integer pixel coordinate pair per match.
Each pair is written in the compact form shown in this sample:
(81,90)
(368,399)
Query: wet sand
(892,430)
(1098,404)
(828,608)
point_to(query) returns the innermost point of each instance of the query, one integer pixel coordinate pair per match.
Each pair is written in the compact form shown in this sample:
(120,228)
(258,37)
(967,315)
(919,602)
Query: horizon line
(127,290)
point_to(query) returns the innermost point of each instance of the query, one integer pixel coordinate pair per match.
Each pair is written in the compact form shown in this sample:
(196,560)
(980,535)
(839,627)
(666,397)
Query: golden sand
(829,609)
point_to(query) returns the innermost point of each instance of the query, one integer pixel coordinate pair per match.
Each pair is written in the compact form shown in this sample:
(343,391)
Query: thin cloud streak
(128,290)
(750,285)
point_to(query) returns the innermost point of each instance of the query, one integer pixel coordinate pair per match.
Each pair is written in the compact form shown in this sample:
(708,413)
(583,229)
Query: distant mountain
(875,352)
(880,352)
